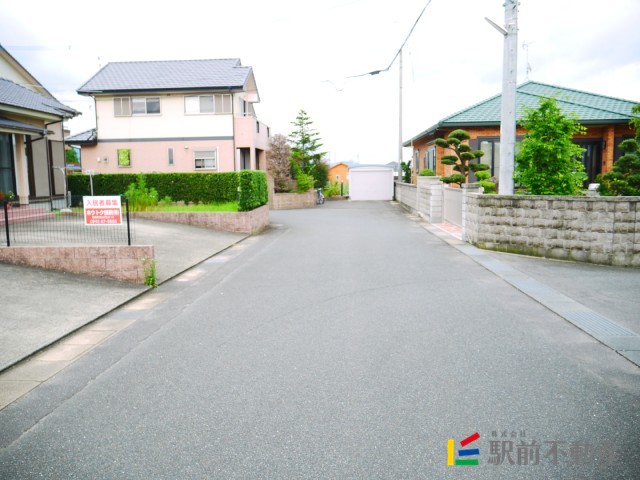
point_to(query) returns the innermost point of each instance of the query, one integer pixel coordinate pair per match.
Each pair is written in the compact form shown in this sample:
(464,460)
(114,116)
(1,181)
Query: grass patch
(209,207)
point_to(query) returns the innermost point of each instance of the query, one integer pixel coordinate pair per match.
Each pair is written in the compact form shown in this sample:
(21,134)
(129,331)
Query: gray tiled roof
(17,96)
(168,75)
(88,137)
(14,124)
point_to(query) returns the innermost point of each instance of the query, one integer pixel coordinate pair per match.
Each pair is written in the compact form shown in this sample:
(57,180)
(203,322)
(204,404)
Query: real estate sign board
(102,210)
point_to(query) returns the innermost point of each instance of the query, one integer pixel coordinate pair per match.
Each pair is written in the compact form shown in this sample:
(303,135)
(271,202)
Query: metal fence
(63,222)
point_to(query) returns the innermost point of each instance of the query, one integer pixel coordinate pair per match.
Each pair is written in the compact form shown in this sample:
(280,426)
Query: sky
(303,52)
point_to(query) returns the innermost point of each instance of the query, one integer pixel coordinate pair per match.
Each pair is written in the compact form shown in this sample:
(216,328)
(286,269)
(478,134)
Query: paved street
(348,341)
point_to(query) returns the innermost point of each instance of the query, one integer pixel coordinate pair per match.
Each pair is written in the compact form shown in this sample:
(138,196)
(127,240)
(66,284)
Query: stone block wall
(287,201)
(407,195)
(241,222)
(603,230)
(120,262)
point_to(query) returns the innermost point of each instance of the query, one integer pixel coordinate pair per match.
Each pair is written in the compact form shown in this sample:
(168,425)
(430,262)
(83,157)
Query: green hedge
(253,190)
(188,187)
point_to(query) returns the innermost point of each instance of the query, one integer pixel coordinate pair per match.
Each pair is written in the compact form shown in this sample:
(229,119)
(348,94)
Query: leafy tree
(279,163)
(320,173)
(624,177)
(462,158)
(635,122)
(71,157)
(305,145)
(406,171)
(548,162)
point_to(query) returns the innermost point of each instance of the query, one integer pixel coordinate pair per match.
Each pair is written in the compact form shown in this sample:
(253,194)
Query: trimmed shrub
(427,172)
(253,190)
(187,187)
(248,187)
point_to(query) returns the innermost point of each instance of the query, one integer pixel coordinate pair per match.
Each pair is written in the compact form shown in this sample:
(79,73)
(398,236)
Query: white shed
(371,183)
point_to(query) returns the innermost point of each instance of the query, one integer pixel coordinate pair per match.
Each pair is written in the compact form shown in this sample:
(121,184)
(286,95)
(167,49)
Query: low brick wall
(603,230)
(286,201)
(118,262)
(240,222)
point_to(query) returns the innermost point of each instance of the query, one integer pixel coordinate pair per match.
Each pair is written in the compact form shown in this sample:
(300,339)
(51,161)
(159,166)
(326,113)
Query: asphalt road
(346,342)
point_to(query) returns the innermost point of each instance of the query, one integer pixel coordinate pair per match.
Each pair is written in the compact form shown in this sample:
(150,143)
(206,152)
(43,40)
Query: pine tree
(305,150)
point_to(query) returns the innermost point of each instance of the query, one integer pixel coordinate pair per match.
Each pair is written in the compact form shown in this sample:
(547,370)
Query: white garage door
(371,183)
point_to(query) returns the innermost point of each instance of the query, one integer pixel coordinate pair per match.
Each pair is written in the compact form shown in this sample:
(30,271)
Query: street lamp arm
(376,72)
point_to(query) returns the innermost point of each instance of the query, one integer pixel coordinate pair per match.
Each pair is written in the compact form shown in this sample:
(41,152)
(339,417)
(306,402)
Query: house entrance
(592,159)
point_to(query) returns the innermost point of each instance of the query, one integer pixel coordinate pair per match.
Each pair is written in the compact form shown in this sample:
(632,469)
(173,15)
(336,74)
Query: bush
(187,187)
(253,190)
(140,196)
(427,172)
(624,178)
(183,187)
(305,182)
(332,190)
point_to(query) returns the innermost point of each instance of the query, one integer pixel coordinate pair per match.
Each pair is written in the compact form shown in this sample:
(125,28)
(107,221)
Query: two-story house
(173,116)
(32,158)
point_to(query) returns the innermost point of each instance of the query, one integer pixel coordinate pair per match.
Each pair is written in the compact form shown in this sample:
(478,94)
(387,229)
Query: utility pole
(400,122)
(508,114)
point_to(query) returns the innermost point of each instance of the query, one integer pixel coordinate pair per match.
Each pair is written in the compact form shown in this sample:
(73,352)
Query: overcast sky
(303,51)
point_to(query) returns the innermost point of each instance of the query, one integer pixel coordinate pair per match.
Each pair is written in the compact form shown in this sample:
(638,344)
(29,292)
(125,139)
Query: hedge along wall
(188,187)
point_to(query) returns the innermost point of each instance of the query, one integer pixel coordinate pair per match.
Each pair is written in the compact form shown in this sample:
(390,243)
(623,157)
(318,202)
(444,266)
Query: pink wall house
(173,116)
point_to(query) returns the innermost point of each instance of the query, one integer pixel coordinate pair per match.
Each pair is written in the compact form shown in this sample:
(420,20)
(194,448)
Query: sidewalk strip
(625,342)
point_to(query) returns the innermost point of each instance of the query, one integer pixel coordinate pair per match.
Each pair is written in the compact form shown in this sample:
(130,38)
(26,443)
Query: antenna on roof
(525,47)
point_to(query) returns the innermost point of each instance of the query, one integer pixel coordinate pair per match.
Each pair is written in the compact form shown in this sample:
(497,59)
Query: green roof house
(606,120)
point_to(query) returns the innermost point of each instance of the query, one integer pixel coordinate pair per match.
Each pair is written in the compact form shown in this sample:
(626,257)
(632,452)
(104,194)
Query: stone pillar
(21,169)
(467,188)
(430,199)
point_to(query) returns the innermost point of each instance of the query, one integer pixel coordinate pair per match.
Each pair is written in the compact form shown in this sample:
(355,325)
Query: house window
(205,159)
(122,106)
(430,158)
(196,104)
(124,157)
(145,105)
(170,155)
(491,157)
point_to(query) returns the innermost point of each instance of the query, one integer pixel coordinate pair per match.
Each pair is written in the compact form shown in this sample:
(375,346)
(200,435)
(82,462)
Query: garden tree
(549,162)
(624,177)
(71,157)
(320,173)
(406,171)
(279,163)
(305,149)
(462,159)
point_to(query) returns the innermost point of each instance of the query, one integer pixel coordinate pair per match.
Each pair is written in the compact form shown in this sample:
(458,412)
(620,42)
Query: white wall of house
(171,122)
